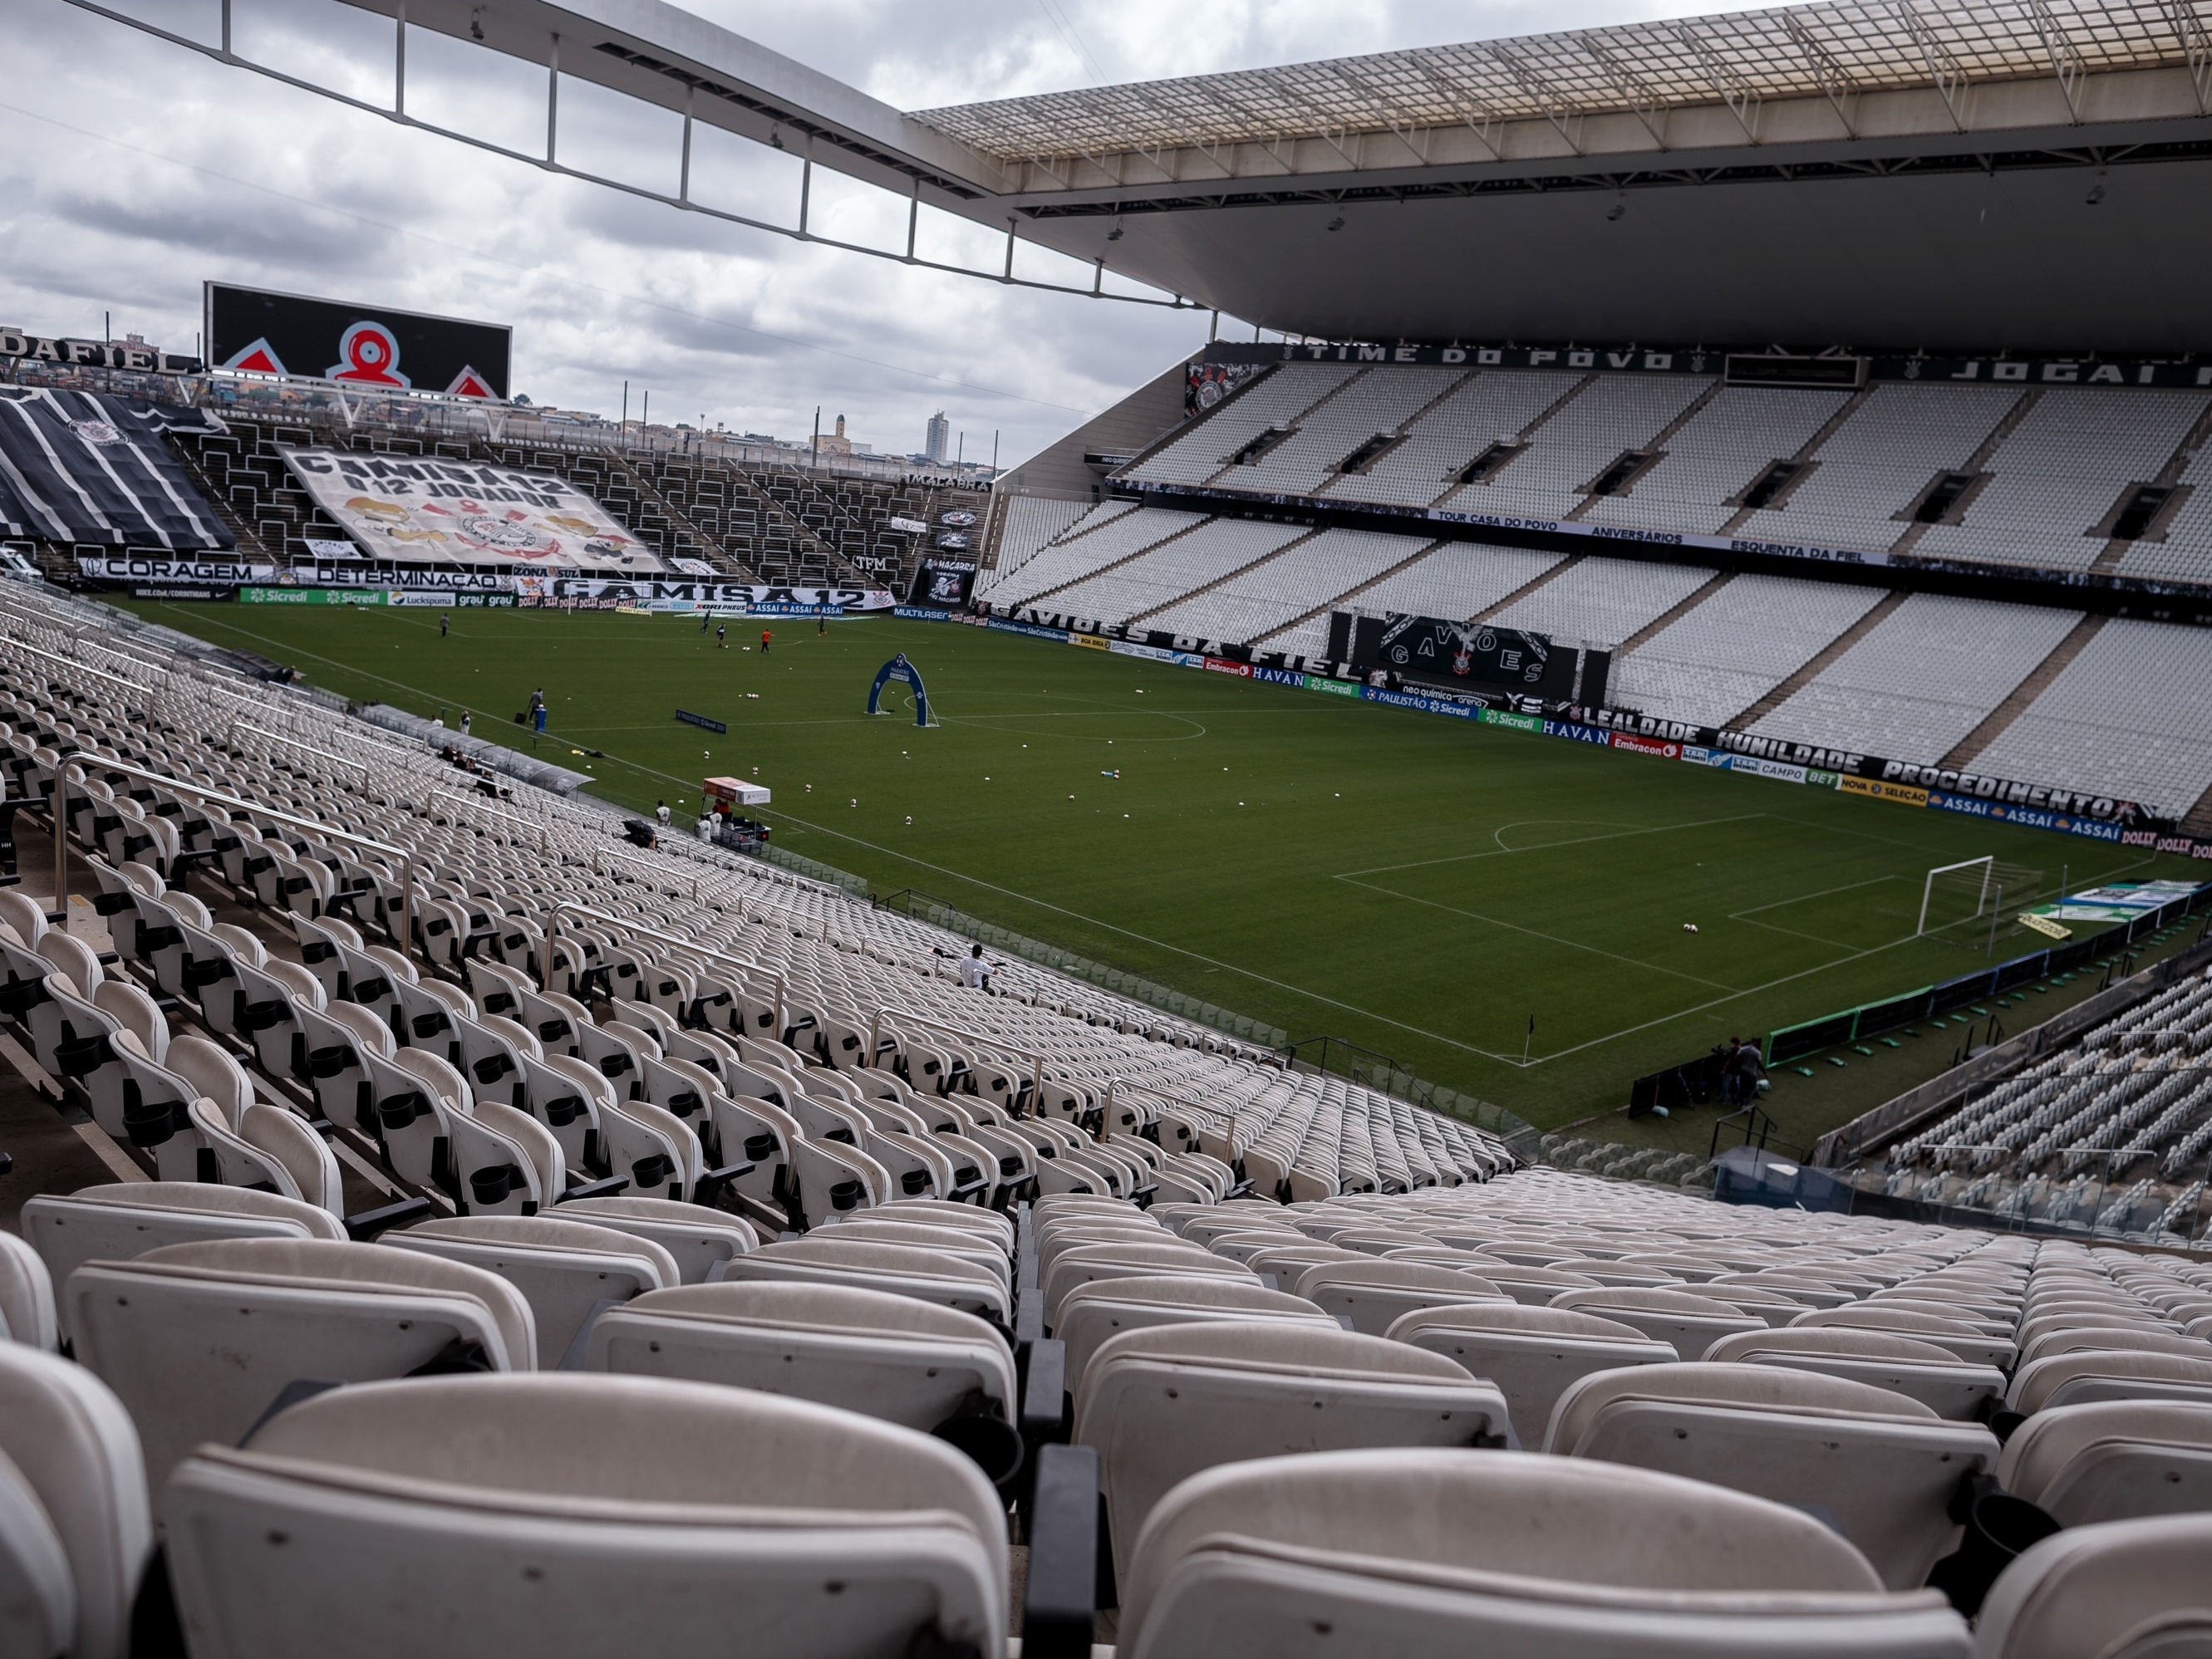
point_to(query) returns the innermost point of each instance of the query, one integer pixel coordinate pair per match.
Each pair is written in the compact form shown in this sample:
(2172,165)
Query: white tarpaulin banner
(426,509)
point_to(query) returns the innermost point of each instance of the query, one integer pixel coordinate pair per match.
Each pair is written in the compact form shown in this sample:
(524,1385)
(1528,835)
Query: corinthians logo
(101,433)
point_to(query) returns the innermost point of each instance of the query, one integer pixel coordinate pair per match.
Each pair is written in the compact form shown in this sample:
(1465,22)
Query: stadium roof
(1837,51)
(1980,175)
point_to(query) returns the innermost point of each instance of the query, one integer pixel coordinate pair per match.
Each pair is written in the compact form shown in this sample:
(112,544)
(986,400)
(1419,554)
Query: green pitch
(1421,886)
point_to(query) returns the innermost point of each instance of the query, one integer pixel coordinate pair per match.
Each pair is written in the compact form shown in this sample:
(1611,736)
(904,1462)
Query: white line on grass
(1145,938)
(1579,841)
(1553,939)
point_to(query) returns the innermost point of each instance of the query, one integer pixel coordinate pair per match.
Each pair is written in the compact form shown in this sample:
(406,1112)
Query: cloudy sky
(130,170)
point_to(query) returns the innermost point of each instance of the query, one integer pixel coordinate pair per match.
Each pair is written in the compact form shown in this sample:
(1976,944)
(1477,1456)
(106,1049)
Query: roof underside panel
(1837,50)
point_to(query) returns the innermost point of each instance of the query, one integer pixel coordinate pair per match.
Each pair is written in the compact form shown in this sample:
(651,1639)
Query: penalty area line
(1144,938)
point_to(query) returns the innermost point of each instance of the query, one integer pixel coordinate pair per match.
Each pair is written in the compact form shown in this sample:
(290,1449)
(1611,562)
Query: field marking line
(1145,939)
(1553,939)
(1579,841)
(1848,887)
(2137,862)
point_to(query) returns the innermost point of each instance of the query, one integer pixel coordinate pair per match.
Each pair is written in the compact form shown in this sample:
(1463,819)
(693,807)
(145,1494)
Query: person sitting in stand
(975,973)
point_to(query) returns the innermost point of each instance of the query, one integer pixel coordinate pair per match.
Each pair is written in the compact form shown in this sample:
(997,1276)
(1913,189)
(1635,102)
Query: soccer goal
(1952,893)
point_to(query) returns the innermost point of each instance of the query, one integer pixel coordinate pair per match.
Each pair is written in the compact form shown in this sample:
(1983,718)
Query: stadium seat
(1886,1466)
(1533,1355)
(197,1340)
(253,1144)
(122,1220)
(27,1295)
(1162,1404)
(566,1516)
(699,1238)
(2123,1589)
(1370,1293)
(2116,1460)
(1689,1323)
(888,1357)
(565,1269)
(1436,1553)
(928,1275)
(1092,1314)
(2082,1378)
(74,1526)
(1934,1377)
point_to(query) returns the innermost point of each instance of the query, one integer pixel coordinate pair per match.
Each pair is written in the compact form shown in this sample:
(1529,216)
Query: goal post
(1986,863)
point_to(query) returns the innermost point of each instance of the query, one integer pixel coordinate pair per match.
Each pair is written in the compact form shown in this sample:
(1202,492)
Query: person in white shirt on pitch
(975,973)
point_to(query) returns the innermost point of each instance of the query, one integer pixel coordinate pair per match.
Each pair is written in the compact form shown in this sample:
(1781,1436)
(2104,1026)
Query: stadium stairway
(1974,463)
(1719,580)
(1264,560)
(669,528)
(1349,598)
(1804,453)
(1542,581)
(1813,666)
(2017,701)
(1655,447)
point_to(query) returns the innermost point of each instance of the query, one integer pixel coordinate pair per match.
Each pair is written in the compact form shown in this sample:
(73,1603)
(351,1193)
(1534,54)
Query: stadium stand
(1491,407)
(1267,597)
(749,522)
(1716,661)
(1368,408)
(2110,719)
(1864,479)
(1459,580)
(1103,537)
(2182,549)
(1028,523)
(1921,678)
(1270,405)
(1608,417)
(2113,1130)
(1600,601)
(1718,454)
(2058,475)
(667,1154)
(1175,566)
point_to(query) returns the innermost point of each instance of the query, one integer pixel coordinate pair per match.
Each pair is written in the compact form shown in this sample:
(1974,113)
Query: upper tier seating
(1273,403)
(1872,469)
(1373,406)
(1717,454)
(2183,551)
(2061,472)
(1610,416)
(1490,407)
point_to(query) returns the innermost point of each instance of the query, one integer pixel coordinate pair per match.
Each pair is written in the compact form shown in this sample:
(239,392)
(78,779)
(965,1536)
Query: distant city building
(836,443)
(940,439)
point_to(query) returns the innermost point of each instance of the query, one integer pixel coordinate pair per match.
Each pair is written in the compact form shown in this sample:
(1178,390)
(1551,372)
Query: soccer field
(1425,887)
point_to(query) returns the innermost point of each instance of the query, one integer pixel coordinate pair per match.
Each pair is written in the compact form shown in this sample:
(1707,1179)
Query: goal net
(1952,895)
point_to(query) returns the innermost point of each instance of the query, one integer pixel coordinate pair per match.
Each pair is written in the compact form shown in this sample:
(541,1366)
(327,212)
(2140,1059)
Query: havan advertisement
(427,510)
